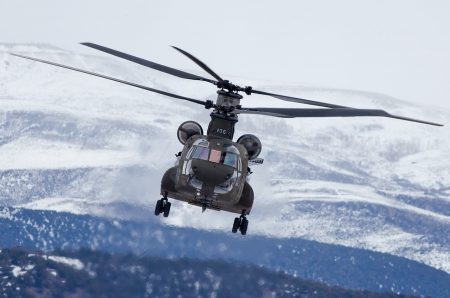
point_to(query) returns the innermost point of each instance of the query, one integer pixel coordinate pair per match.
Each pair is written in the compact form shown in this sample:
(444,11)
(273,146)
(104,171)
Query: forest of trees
(26,274)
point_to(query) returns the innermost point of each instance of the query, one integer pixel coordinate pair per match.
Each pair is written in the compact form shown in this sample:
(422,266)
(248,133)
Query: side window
(189,154)
(186,167)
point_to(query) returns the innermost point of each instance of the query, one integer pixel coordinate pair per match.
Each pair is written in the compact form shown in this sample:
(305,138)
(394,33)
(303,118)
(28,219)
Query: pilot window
(201,153)
(216,156)
(230,160)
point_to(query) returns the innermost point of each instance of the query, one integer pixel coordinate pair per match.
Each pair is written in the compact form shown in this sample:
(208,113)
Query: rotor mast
(222,122)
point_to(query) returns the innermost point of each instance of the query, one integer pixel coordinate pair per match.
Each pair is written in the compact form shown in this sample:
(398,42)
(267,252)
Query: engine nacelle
(252,144)
(188,129)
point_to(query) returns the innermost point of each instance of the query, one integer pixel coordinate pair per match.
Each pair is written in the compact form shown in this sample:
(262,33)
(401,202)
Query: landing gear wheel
(244,226)
(158,207)
(167,209)
(236,224)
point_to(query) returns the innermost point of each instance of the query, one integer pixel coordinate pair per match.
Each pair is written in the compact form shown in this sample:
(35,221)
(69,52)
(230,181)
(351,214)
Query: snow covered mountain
(72,142)
(327,263)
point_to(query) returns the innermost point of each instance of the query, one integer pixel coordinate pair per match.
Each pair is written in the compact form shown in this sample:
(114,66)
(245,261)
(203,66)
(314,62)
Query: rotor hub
(233,88)
(227,101)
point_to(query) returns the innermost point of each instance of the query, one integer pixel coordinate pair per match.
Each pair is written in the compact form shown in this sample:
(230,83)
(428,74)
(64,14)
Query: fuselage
(212,169)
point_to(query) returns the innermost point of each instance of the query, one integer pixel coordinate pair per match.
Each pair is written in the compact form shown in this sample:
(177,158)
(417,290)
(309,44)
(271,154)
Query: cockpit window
(215,156)
(211,155)
(201,153)
(232,149)
(202,143)
(230,160)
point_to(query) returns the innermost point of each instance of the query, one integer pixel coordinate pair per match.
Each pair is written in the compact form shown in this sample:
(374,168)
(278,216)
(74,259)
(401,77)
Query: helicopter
(212,171)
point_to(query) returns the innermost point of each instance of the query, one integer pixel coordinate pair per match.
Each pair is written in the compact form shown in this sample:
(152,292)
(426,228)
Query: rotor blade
(166,69)
(116,80)
(200,63)
(298,100)
(258,112)
(340,112)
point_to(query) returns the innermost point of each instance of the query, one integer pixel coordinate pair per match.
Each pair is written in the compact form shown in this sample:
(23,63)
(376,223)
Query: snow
(75,263)
(307,190)
(11,158)
(321,180)
(72,205)
(19,271)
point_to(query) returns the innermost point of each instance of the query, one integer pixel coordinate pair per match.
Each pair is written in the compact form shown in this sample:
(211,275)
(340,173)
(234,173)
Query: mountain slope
(71,142)
(331,264)
(87,273)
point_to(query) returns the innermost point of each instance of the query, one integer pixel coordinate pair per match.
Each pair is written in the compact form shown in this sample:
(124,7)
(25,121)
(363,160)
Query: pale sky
(400,48)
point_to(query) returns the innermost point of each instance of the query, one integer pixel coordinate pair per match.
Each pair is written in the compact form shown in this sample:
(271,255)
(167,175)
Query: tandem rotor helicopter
(213,170)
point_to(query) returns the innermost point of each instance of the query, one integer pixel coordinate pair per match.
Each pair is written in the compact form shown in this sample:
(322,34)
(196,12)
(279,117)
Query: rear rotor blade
(166,69)
(340,112)
(116,80)
(200,63)
(256,111)
(298,100)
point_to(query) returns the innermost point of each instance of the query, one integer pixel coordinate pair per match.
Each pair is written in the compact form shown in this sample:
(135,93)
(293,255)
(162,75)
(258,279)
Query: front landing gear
(241,224)
(162,206)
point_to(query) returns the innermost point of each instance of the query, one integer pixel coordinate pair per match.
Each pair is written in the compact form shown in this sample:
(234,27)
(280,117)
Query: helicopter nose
(210,172)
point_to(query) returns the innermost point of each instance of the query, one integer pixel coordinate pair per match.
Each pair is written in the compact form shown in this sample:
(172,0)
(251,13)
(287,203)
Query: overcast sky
(399,48)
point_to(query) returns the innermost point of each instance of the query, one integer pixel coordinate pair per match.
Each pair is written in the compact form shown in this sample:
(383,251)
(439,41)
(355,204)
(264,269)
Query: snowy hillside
(76,143)
(327,263)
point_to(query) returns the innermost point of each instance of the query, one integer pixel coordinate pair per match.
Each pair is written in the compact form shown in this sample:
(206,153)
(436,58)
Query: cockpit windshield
(216,156)
(200,153)
(230,159)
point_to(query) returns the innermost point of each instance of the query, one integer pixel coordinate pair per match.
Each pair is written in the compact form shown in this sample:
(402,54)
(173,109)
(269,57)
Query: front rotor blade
(166,69)
(340,112)
(298,100)
(116,80)
(200,63)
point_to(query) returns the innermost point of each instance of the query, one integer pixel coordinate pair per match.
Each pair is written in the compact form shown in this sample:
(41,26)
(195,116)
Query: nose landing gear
(163,206)
(241,224)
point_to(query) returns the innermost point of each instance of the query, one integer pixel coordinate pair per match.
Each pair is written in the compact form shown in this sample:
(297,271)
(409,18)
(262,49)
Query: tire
(236,224)
(167,209)
(244,226)
(158,207)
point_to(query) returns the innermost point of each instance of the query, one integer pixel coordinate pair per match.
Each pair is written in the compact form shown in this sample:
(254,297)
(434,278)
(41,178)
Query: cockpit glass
(215,156)
(201,153)
(232,149)
(230,160)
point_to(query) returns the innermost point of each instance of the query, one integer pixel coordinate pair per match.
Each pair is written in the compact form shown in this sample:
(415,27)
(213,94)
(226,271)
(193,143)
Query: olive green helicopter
(212,171)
